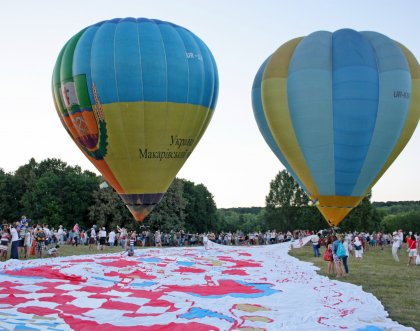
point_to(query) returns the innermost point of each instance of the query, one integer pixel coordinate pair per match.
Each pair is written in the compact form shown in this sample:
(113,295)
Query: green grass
(68,250)
(395,284)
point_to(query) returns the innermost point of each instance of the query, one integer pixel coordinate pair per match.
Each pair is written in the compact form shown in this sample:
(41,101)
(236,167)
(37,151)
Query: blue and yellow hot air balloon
(337,109)
(136,95)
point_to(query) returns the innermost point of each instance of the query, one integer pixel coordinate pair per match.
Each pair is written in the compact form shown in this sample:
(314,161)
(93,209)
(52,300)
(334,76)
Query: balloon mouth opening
(141,205)
(335,208)
(140,212)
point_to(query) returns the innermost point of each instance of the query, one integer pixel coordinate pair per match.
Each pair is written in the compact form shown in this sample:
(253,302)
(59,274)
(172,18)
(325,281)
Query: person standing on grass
(76,235)
(132,242)
(123,237)
(102,238)
(92,237)
(336,257)
(349,240)
(345,258)
(28,242)
(328,257)
(158,239)
(40,241)
(14,254)
(395,246)
(22,232)
(358,249)
(60,234)
(315,245)
(418,244)
(401,235)
(5,239)
(47,235)
(412,249)
(111,238)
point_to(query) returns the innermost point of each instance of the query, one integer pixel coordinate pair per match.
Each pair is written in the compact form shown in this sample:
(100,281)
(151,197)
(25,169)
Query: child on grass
(53,252)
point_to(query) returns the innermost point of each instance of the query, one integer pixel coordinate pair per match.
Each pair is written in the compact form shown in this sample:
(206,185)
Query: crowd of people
(338,248)
(27,239)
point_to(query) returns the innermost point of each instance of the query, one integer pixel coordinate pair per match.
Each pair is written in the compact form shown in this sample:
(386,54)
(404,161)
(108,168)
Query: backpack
(328,255)
(341,251)
(40,235)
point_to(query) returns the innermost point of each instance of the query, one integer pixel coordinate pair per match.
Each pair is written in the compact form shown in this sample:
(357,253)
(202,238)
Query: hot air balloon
(136,95)
(337,109)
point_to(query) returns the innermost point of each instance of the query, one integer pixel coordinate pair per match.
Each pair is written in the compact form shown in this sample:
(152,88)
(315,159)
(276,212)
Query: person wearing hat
(395,245)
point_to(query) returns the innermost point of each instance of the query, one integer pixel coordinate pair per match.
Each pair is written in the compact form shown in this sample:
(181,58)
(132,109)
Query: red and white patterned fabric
(192,288)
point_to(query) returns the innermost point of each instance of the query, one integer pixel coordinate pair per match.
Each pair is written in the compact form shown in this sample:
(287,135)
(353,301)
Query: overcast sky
(232,159)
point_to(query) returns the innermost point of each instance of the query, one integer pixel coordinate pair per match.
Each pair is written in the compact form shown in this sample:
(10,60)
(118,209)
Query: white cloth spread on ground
(221,288)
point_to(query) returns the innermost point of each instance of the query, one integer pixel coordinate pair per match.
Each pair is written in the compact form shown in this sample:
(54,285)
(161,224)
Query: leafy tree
(285,192)
(76,195)
(284,202)
(200,209)
(245,210)
(310,218)
(234,219)
(409,221)
(10,204)
(362,218)
(24,179)
(42,202)
(397,207)
(169,214)
(109,210)
(54,193)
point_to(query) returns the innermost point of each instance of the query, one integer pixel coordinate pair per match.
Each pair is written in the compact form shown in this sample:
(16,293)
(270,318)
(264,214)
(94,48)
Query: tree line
(54,193)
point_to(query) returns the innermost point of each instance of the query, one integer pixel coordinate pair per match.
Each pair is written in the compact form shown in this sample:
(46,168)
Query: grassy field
(68,250)
(396,285)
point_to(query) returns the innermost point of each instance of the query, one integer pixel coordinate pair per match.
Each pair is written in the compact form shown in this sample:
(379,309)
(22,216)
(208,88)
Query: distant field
(396,285)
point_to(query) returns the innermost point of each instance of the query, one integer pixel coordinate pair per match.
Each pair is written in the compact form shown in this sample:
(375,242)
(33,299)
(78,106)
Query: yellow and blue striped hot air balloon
(136,95)
(337,109)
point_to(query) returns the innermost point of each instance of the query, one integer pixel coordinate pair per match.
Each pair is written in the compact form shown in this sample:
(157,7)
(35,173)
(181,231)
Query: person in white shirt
(395,246)
(358,248)
(111,238)
(28,242)
(102,238)
(53,251)
(15,241)
(92,237)
(47,235)
(273,237)
(315,245)
(401,235)
(206,242)
(60,234)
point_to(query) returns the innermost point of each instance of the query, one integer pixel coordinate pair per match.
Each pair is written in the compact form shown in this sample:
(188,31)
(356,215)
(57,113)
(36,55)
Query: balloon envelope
(337,109)
(136,95)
